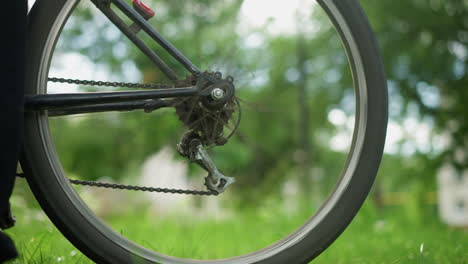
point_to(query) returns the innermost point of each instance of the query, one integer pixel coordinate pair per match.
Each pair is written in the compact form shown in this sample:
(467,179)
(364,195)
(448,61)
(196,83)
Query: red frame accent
(144,8)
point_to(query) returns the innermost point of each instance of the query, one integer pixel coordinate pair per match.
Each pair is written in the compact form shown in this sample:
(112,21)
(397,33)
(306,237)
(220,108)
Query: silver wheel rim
(354,59)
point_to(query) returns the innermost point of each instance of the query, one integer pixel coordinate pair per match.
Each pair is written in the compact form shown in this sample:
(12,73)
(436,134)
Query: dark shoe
(6,219)
(7,248)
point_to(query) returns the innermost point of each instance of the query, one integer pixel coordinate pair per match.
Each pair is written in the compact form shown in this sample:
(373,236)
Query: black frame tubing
(130,34)
(63,101)
(146,105)
(74,103)
(154,34)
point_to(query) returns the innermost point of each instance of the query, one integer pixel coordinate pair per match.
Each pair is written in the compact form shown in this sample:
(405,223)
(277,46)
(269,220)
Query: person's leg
(13,15)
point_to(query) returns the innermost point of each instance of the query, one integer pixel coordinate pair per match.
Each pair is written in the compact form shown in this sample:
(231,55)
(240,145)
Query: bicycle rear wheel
(345,192)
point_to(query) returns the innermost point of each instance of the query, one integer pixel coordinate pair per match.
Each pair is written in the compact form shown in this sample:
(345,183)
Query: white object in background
(453,196)
(163,170)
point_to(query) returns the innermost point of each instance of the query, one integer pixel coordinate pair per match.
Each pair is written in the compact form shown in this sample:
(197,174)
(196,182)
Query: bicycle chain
(123,186)
(110,84)
(140,188)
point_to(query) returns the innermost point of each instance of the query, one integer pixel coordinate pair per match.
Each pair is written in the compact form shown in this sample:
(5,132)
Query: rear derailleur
(191,147)
(207,117)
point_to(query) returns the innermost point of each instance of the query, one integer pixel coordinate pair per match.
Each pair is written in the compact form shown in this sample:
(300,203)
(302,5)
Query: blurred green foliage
(424,44)
(263,152)
(424,48)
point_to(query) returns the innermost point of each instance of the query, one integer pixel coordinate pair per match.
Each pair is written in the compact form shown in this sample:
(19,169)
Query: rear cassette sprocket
(212,126)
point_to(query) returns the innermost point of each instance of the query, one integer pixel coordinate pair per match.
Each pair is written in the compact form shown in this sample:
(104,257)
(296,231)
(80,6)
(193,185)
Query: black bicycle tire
(84,235)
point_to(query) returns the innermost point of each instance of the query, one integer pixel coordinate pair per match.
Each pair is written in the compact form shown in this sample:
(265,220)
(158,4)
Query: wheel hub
(209,114)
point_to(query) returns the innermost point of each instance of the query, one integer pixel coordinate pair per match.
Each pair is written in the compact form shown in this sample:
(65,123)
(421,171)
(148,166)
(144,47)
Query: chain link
(110,84)
(140,188)
(122,186)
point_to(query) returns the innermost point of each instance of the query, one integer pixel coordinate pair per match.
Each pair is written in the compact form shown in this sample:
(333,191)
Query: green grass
(392,235)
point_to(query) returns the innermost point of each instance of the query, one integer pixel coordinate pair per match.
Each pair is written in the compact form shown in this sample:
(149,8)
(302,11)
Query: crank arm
(216,181)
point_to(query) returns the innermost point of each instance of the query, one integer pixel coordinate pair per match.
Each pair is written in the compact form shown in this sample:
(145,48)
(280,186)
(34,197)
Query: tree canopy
(290,83)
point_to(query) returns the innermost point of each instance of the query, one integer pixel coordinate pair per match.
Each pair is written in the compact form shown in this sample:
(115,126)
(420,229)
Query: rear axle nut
(217,94)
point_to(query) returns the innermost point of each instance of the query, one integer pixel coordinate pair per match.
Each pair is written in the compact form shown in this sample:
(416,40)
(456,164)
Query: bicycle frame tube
(149,100)
(104,6)
(114,18)
(64,101)
(147,105)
